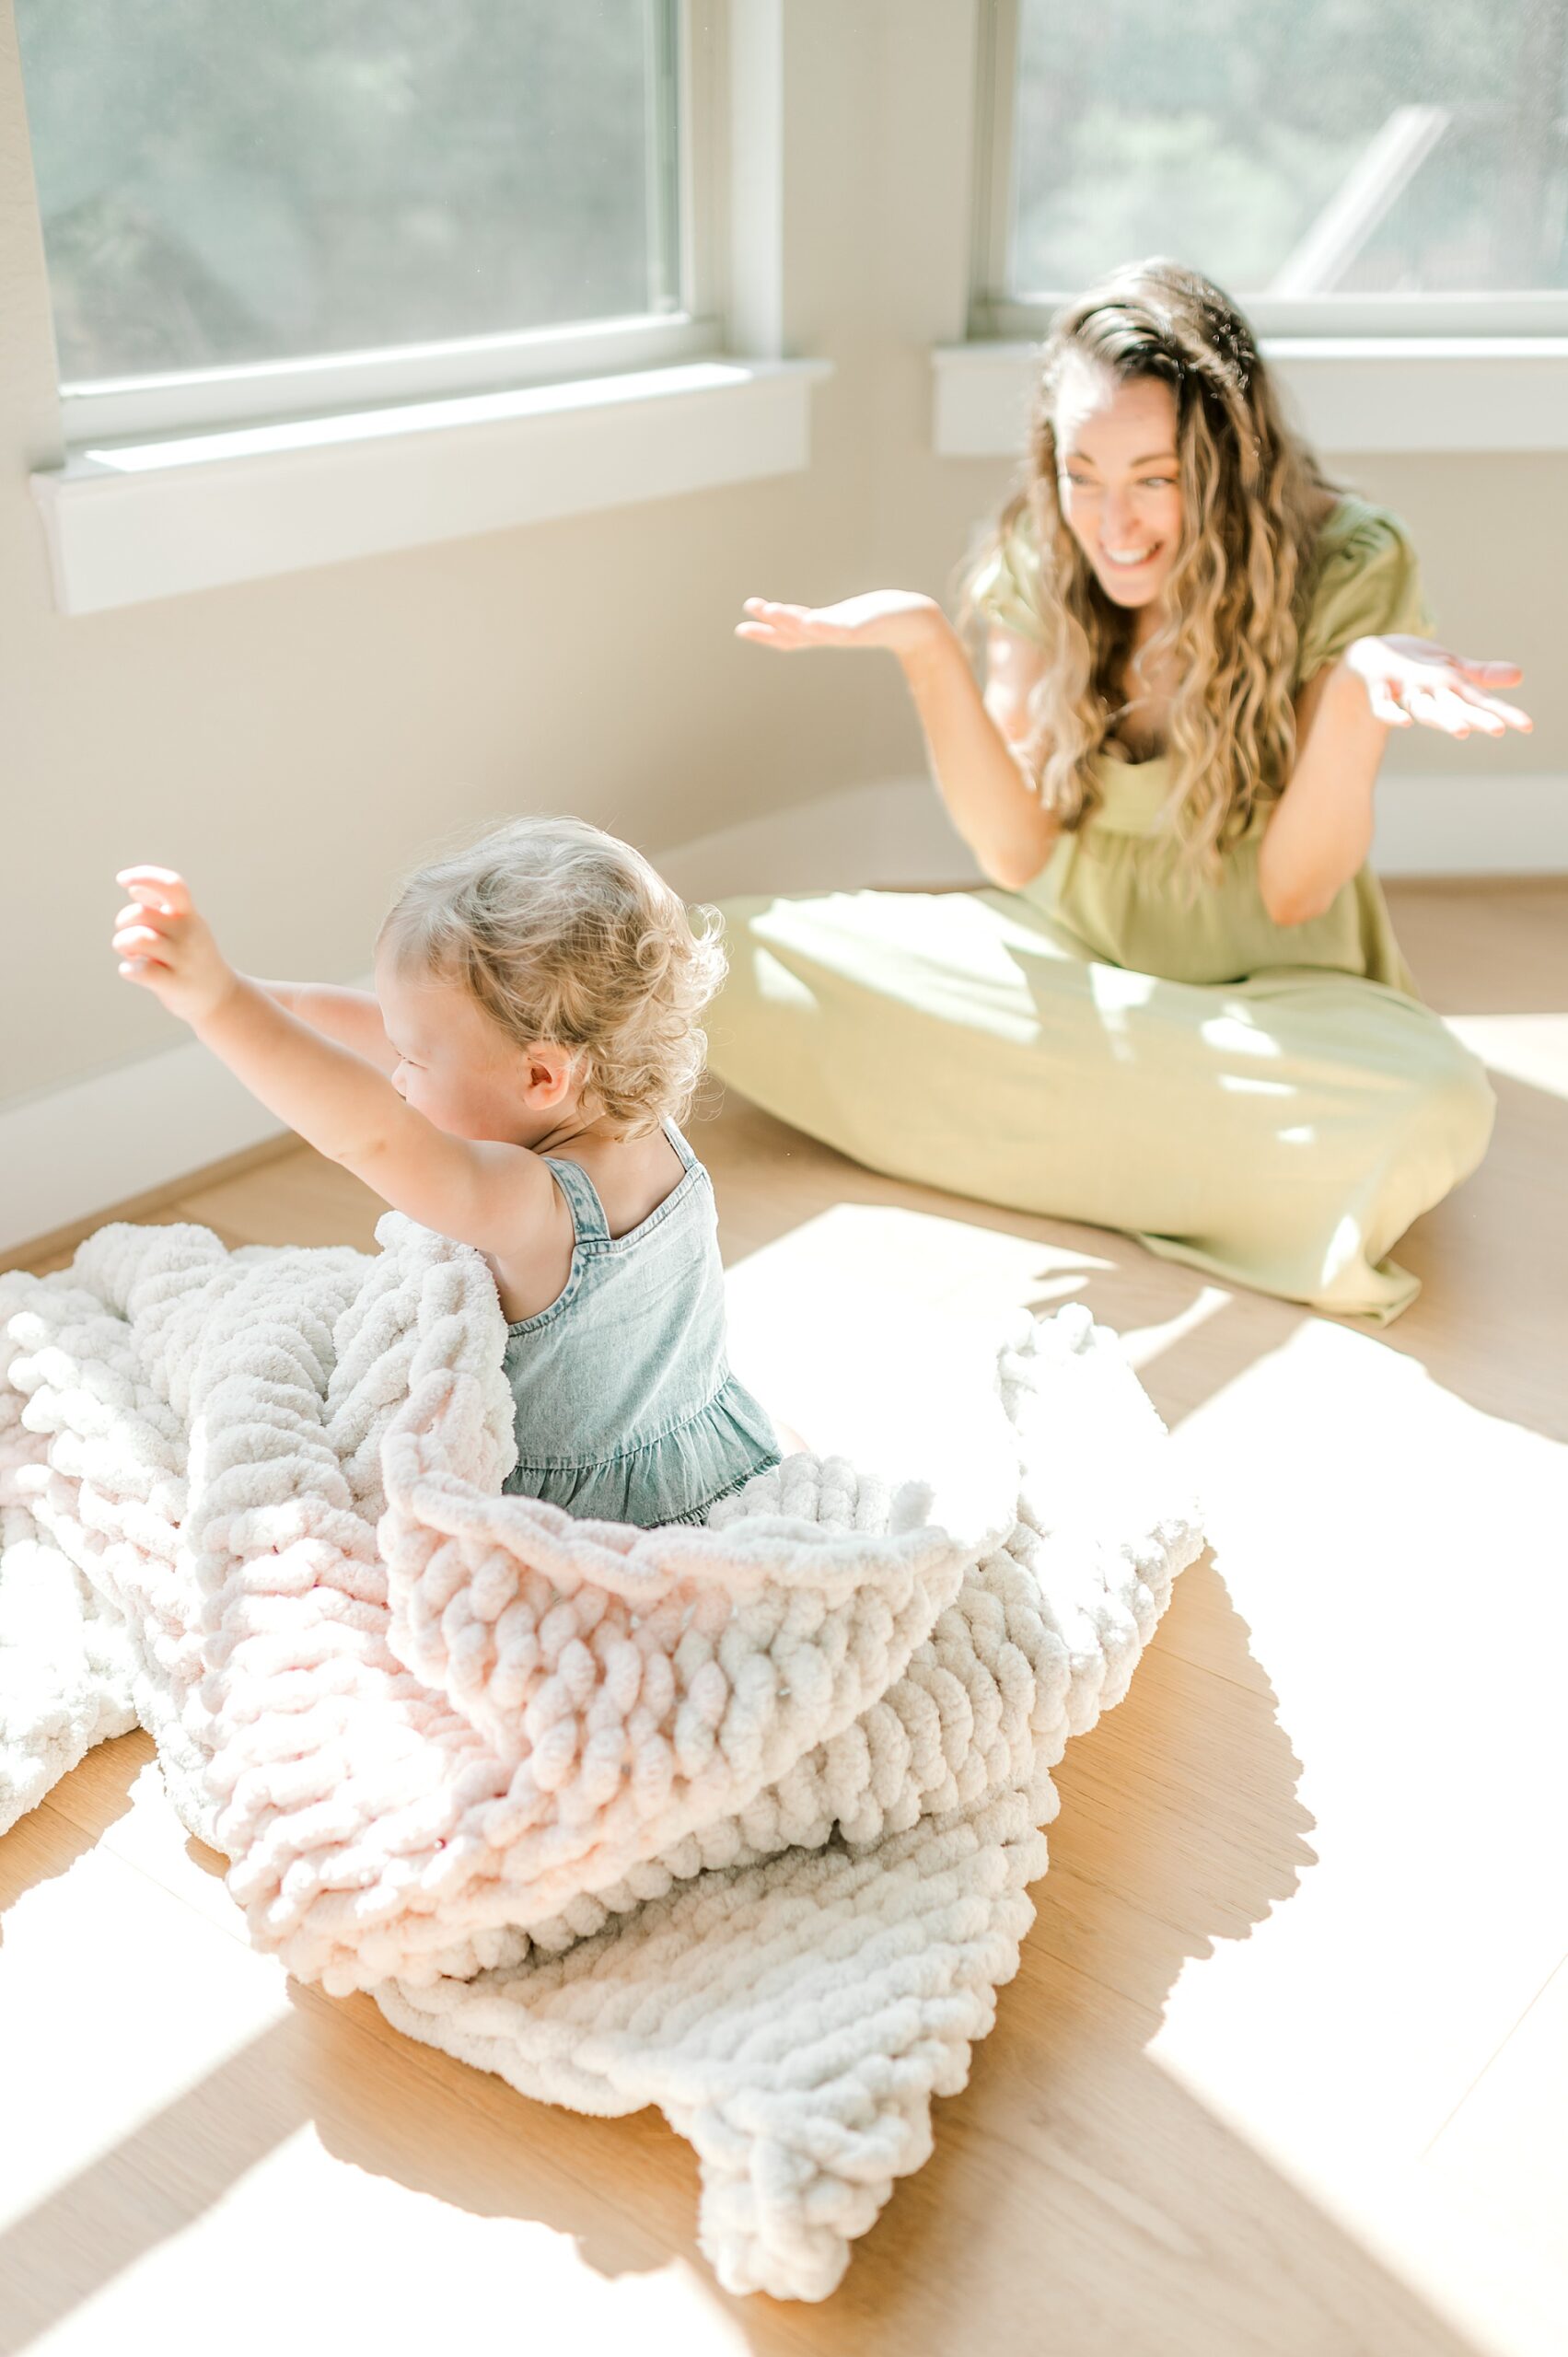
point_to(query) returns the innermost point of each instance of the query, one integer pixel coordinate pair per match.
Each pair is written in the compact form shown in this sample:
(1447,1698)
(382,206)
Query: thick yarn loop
(736,1820)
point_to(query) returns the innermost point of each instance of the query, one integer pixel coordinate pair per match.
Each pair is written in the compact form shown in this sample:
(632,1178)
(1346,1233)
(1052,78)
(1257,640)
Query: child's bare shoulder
(631,1178)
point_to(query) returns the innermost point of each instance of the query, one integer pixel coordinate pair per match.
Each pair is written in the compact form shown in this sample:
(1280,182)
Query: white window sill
(1386,393)
(134,521)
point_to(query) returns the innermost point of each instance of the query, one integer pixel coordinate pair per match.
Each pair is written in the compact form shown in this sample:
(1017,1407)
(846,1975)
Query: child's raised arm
(352,1017)
(482,1192)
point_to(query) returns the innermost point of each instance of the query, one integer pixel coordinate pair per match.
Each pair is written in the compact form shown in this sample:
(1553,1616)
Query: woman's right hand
(901,619)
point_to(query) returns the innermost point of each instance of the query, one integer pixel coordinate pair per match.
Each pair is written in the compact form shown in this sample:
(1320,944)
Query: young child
(515,1082)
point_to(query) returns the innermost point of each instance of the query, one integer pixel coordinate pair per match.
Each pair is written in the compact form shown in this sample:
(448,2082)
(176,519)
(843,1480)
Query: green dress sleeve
(1368,581)
(1006,589)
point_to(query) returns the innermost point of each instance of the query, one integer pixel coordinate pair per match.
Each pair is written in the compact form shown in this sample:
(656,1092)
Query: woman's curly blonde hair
(1253,497)
(567,935)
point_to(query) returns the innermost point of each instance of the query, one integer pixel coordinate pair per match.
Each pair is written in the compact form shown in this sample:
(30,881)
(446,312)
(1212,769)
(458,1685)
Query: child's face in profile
(458,1068)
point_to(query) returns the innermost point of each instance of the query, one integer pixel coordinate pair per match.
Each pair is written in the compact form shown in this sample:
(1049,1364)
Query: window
(1381,167)
(250,210)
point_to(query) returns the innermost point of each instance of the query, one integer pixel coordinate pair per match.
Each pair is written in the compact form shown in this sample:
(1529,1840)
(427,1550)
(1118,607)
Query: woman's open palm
(1413,679)
(901,619)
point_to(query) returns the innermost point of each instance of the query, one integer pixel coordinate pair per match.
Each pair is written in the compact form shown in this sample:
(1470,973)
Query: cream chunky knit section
(735,1819)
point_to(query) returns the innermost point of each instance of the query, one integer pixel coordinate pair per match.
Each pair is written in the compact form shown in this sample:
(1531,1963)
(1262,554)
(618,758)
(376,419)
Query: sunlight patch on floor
(874,1332)
(1531,1048)
(302,2252)
(95,1999)
(149,1835)
(1384,1542)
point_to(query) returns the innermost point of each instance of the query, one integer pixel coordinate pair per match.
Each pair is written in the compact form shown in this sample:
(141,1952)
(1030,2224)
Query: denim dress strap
(588,1221)
(688,1160)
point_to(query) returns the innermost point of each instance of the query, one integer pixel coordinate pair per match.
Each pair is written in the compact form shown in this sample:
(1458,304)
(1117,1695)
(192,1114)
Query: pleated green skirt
(1280,1131)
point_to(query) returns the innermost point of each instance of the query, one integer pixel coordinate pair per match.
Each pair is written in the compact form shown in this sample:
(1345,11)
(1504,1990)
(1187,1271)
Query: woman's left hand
(1413,680)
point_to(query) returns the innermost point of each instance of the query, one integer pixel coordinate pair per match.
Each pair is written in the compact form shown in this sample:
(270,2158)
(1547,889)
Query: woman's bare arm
(970,738)
(1321,829)
(972,742)
(1012,670)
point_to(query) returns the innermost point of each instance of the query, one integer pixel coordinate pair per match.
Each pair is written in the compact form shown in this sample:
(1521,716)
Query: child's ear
(551,1072)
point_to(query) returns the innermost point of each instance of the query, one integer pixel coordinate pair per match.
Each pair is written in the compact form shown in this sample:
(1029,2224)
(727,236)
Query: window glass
(1294,148)
(229,182)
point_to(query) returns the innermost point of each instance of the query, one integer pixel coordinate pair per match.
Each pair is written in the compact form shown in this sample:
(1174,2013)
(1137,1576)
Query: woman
(1182,1012)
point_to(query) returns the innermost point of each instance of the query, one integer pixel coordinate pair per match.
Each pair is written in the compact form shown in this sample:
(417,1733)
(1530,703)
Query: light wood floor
(1282,2070)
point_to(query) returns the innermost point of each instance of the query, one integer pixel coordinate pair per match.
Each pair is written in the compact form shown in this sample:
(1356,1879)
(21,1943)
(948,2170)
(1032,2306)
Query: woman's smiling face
(1118,477)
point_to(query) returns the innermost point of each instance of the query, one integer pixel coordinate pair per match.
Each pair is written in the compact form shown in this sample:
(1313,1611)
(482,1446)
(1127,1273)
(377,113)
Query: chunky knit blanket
(736,1820)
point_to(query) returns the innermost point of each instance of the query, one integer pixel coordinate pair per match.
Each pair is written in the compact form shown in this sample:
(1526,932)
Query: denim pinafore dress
(626,1409)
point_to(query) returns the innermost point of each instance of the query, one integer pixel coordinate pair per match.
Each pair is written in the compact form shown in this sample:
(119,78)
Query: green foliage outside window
(230,182)
(1219,131)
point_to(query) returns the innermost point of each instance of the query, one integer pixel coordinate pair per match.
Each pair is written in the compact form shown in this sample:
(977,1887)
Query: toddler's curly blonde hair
(565,934)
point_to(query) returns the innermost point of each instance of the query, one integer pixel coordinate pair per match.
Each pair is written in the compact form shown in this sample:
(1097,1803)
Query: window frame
(998,312)
(110,409)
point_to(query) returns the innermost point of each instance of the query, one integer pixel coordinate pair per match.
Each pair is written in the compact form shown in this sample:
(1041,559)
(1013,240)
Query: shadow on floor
(47,1842)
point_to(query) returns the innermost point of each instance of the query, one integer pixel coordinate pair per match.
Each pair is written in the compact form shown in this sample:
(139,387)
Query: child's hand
(164,944)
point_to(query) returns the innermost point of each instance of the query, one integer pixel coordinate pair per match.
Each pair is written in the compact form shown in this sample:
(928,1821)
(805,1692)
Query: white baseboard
(67,1154)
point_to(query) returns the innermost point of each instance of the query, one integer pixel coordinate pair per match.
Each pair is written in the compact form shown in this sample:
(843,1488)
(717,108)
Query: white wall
(297,742)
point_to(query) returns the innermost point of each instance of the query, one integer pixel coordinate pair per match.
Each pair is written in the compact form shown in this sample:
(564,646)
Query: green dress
(1272,1105)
